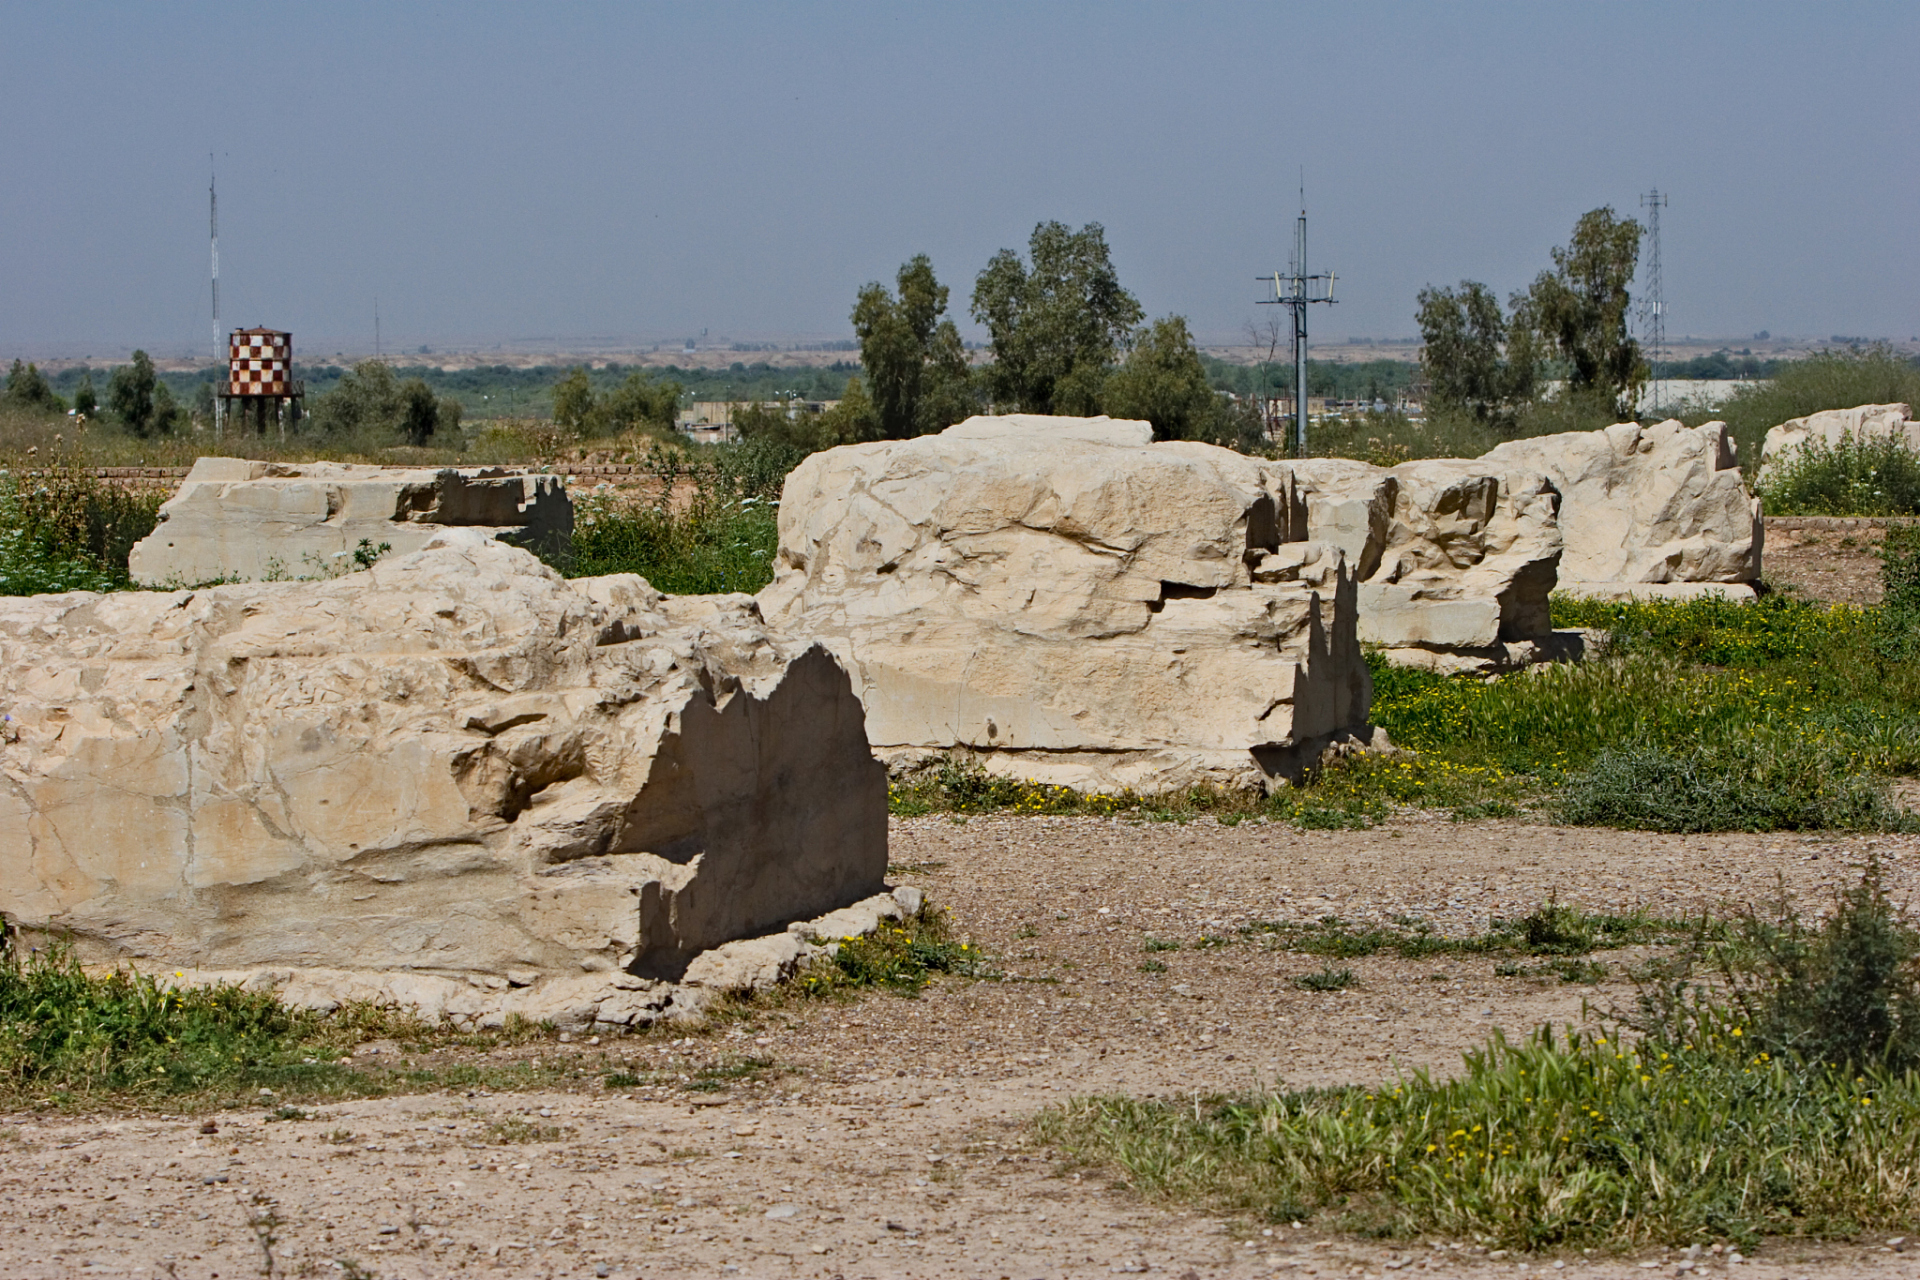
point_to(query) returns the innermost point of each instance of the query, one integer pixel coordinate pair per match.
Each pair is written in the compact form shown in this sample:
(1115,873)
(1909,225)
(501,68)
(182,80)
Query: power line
(1653,305)
(213,231)
(1295,291)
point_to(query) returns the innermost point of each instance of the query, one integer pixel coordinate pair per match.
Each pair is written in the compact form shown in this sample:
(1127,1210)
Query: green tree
(85,402)
(365,401)
(1056,325)
(167,412)
(639,402)
(574,403)
(419,411)
(914,359)
(27,386)
(1164,382)
(130,394)
(1476,360)
(1580,309)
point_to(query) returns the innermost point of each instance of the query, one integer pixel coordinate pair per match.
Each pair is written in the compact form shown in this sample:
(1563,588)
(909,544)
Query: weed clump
(1841,994)
(63,529)
(903,958)
(711,527)
(66,1031)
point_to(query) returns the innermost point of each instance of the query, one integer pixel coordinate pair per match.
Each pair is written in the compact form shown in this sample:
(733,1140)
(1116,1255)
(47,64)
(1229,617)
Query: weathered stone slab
(234,519)
(1073,602)
(454,765)
(1664,503)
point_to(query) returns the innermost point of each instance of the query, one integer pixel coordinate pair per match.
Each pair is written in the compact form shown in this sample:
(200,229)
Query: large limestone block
(1664,503)
(455,764)
(1073,601)
(1861,423)
(1451,554)
(234,519)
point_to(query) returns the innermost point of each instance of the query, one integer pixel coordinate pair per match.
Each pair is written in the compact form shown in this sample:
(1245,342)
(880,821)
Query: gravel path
(888,1137)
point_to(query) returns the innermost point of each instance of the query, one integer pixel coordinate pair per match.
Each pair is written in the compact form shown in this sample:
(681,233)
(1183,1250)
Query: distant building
(711,421)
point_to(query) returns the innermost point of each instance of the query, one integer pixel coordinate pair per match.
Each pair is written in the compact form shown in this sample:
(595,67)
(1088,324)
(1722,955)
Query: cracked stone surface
(456,771)
(1074,602)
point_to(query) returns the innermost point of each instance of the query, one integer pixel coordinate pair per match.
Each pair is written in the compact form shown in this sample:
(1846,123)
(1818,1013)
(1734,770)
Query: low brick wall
(167,479)
(1836,524)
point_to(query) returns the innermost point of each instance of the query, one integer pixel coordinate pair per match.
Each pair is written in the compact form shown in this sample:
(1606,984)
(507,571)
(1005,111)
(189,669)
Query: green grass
(1557,1141)
(1767,1085)
(69,1037)
(1696,716)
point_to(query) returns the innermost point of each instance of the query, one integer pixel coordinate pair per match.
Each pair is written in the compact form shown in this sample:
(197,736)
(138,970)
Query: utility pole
(1295,291)
(1654,309)
(219,338)
(376,326)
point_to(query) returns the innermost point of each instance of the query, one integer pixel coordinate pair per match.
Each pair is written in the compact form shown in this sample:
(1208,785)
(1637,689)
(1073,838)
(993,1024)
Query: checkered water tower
(260,381)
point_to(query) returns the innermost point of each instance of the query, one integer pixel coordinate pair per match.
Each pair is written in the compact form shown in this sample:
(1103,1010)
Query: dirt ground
(1835,566)
(888,1137)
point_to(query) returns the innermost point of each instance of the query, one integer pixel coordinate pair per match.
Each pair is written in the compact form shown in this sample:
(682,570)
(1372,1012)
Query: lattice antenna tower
(1654,308)
(213,232)
(1296,290)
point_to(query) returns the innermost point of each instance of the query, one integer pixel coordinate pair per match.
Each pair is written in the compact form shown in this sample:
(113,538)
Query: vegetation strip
(1765,1085)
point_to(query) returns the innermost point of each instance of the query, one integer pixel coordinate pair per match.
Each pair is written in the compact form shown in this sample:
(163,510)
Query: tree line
(1065,337)
(1489,364)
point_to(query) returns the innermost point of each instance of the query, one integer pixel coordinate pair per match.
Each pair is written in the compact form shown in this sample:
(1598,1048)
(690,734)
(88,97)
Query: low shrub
(1732,786)
(1876,476)
(1843,992)
(62,529)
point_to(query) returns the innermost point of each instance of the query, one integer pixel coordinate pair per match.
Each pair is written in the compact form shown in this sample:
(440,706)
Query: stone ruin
(236,520)
(1860,424)
(459,782)
(1457,557)
(455,781)
(1074,604)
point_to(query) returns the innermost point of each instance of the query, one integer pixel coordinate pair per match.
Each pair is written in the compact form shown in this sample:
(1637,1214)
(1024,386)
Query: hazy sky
(509,172)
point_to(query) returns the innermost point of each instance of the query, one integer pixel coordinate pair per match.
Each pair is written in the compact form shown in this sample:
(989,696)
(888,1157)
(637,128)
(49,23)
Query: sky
(631,173)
